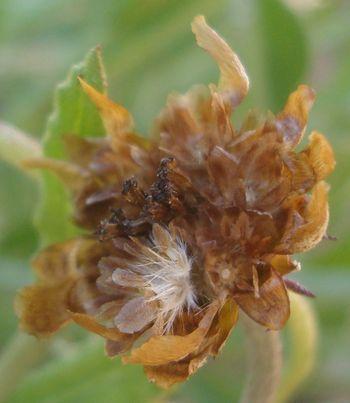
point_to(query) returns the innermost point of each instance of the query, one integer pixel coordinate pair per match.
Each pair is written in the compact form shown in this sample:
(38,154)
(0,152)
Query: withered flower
(186,227)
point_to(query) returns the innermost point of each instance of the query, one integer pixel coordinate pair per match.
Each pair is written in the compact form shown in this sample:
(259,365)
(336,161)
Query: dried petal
(224,171)
(43,309)
(234,82)
(160,350)
(302,174)
(57,262)
(89,323)
(101,196)
(116,118)
(252,120)
(284,264)
(89,254)
(82,150)
(228,317)
(320,155)
(167,375)
(271,309)
(135,315)
(113,348)
(255,278)
(162,238)
(70,174)
(126,278)
(310,230)
(86,297)
(291,122)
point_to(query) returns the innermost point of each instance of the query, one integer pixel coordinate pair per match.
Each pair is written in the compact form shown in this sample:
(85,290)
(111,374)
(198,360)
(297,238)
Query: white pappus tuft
(162,270)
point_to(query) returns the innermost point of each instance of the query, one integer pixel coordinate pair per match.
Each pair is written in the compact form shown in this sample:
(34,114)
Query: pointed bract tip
(233,82)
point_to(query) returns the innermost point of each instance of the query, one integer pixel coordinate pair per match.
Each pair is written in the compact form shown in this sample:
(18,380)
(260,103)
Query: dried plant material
(70,174)
(228,317)
(320,155)
(234,82)
(81,150)
(306,229)
(187,227)
(298,288)
(161,350)
(116,118)
(92,325)
(135,315)
(57,263)
(166,376)
(271,307)
(293,119)
(42,308)
(283,264)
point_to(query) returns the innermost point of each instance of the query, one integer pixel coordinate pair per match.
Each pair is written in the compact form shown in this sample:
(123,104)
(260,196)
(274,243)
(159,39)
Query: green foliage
(73,114)
(86,376)
(285,50)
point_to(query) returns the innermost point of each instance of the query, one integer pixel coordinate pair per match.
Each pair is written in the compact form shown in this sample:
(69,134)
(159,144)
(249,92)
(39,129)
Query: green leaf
(86,376)
(284,49)
(73,114)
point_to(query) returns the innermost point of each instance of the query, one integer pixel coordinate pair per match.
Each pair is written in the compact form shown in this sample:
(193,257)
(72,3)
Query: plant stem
(302,332)
(21,353)
(264,362)
(16,146)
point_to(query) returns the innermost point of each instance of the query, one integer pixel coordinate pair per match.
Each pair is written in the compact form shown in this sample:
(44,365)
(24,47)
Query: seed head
(185,228)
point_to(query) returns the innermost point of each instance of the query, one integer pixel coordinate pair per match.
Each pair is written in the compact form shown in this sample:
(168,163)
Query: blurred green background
(149,51)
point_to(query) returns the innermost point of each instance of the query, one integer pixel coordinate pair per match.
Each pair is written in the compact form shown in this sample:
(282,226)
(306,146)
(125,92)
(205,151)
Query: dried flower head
(190,225)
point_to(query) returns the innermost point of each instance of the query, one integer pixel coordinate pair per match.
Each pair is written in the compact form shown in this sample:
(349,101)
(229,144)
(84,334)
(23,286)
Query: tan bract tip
(233,82)
(116,119)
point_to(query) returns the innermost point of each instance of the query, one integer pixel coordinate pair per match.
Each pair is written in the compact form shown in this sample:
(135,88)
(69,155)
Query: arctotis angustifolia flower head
(186,227)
